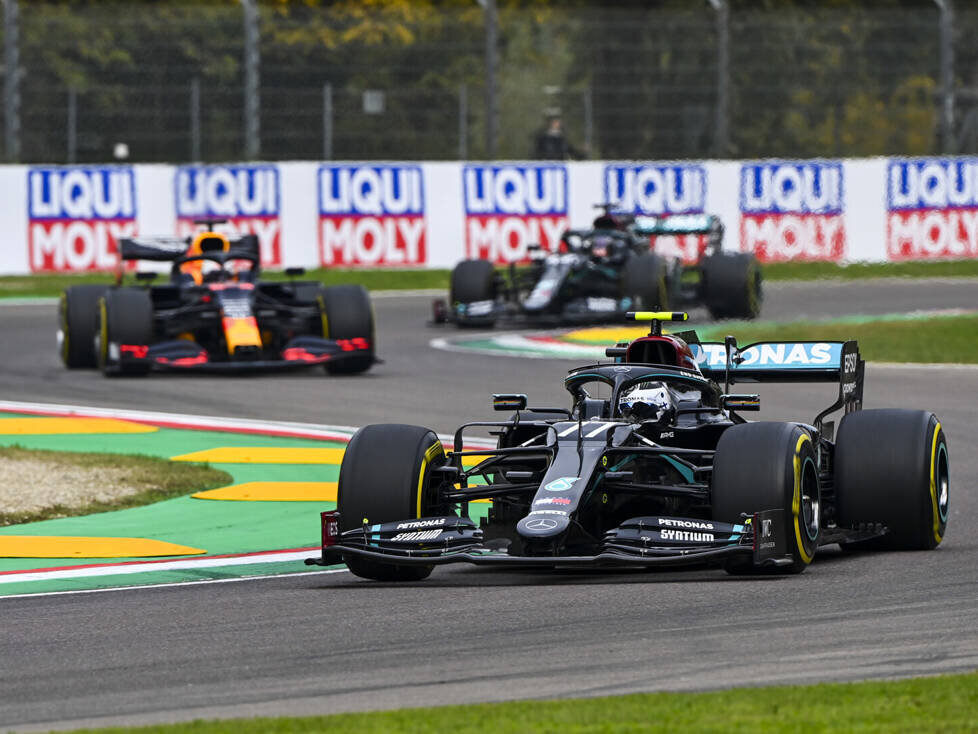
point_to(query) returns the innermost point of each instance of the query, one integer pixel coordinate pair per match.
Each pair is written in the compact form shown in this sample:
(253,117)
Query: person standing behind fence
(551,143)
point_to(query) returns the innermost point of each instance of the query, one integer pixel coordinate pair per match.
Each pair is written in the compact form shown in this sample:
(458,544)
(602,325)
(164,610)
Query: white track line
(184,564)
(175,583)
(181,420)
(205,423)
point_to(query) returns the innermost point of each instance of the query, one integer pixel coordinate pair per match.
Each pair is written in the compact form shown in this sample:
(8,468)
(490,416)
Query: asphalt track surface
(323,643)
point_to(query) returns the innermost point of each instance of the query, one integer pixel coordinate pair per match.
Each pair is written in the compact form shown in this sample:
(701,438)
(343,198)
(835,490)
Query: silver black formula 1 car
(214,314)
(603,272)
(660,471)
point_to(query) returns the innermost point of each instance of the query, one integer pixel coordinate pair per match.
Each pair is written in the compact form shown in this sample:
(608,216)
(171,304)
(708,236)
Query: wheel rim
(809,512)
(943,483)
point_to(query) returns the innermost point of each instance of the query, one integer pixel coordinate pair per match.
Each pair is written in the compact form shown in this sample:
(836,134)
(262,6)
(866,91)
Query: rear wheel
(731,285)
(384,477)
(891,468)
(347,315)
(768,466)
(645,282)
(78,321)
(125,320)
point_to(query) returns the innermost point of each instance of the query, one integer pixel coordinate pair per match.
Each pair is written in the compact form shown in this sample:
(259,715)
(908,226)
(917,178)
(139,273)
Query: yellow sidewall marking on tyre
(429,456)
(796,499)
(39,546)
(272,492)
(265,455)
(54,426)
(322,316)
(938,536)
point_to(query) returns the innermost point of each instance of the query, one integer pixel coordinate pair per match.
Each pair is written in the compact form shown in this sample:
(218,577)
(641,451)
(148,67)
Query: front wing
(638,542)
(185,356)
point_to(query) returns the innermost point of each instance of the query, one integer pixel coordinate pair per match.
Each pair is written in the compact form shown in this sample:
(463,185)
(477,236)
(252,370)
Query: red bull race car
(652,465)
(214,314)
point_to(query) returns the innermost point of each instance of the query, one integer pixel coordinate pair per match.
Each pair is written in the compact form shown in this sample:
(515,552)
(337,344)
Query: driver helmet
(646,401)
(203,270)
(601,246)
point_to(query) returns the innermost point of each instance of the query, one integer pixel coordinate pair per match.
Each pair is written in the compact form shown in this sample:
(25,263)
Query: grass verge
(855,271)
(49,285)
(935,339)
(146,479)
(944,704)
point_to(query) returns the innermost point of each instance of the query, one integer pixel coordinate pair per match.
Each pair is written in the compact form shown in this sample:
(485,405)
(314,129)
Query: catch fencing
(221,81)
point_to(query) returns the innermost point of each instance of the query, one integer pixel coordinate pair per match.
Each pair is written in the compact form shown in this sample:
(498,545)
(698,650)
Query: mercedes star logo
(542,523)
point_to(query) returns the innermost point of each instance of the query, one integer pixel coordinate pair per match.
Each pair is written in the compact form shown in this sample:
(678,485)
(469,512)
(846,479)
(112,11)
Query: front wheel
(769,466)
(645,282)
(125,322)
(384,477)
(348,317)
(891,469)
(473,281)
(78,321)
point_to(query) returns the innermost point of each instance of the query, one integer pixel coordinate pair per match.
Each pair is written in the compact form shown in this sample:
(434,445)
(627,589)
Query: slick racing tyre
(125,317)
(731,285)
(645,282)
(78,322)
(347,315)
(385,477)
(472,281)
(768,466)
(891,468)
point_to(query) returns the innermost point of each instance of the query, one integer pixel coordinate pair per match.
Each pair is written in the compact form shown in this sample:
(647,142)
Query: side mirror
(740,402)
(295,272)
(509,401)
(148,276)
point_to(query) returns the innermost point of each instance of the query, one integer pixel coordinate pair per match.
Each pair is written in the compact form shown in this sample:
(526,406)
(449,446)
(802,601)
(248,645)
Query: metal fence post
(195,154)
(588,121)
(947,75)
(463,122)
(721,134)
(491,30)
(11,80)
(72,132)
(252,64)
(328,122)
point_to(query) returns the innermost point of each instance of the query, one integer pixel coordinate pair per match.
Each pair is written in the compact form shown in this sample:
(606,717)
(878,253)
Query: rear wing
(787,362)
(157,249)
(168,249)
(678,224)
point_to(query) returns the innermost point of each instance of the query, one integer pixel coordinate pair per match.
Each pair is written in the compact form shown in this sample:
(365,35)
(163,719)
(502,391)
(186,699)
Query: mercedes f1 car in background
(215,313)
(601,273)
(661,471)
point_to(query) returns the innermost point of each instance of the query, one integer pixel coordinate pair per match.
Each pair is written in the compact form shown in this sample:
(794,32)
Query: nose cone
(543,524)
